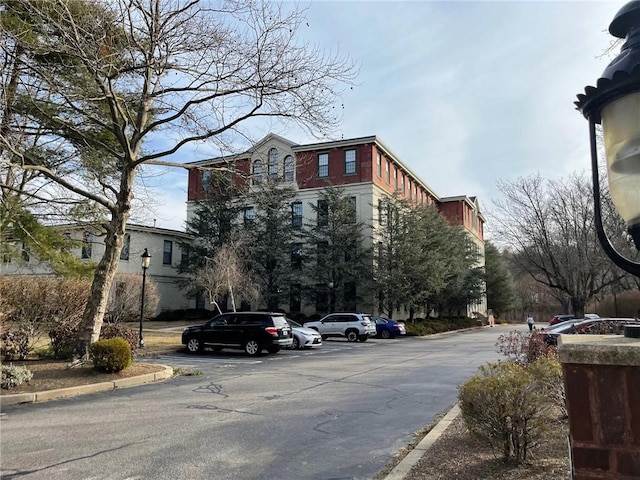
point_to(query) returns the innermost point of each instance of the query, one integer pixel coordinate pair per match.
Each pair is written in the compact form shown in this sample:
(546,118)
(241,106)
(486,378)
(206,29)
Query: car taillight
(272,330)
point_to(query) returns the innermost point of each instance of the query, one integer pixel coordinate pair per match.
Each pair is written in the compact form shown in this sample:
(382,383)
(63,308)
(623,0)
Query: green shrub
(420,327)
(548,372)
(507,405)
(44,352)
(131,335)
(12,376)
(110,355)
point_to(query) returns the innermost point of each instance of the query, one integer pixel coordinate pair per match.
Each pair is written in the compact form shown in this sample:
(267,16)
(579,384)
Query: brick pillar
(602,383)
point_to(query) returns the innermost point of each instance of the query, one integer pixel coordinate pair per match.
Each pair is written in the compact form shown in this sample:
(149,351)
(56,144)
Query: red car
(560,318)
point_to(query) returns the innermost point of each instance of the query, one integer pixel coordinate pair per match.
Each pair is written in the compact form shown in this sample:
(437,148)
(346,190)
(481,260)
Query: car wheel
(194,345)
(363,338)
(273,349)
(352,336)
(252,348)
(296,343)
(385,334)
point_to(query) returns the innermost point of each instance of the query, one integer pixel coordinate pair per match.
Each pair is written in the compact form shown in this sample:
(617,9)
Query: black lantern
(145,261)
(615,104)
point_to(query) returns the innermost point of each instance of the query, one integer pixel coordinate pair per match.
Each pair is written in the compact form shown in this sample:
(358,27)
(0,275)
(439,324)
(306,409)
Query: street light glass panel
(621,130)
(146,259)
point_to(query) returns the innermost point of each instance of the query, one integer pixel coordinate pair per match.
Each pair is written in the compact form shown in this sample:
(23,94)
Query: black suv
(250,331)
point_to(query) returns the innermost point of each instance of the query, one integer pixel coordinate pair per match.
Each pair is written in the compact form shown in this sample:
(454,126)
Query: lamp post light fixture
(332,298)
(145,261)
(614,103)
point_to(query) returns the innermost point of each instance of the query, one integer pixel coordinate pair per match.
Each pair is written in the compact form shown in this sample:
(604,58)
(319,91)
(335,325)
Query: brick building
(365,167)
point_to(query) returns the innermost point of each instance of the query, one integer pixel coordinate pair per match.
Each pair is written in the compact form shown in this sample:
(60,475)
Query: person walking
(490,319)
(530,321)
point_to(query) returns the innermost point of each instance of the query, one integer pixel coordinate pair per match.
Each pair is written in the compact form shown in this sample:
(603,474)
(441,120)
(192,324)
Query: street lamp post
(146,260)
(615,104)
(332,298)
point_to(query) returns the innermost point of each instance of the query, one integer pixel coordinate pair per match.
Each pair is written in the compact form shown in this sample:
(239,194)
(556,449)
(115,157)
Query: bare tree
(126,297)
(549,228)
(225,274)
(124,83)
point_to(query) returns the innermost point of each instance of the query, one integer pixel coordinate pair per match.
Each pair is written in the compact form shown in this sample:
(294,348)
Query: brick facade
(602,384)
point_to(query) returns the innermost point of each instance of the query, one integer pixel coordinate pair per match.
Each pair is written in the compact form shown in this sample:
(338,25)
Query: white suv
(353,326)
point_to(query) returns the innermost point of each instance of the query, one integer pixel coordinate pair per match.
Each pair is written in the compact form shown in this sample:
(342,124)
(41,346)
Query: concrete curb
(413,457)
(6,400)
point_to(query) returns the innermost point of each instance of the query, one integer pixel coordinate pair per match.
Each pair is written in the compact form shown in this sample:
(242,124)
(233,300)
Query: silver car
(304,337)
(352,326)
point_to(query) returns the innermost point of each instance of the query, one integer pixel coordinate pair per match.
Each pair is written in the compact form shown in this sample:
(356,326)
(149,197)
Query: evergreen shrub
(110,355)
(12,376)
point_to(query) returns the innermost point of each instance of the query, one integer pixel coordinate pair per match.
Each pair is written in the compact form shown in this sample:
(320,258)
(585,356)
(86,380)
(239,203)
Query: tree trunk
(577,304)
(89,329)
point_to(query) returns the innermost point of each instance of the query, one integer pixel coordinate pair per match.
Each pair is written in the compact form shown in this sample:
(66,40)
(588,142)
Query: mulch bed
(52,374)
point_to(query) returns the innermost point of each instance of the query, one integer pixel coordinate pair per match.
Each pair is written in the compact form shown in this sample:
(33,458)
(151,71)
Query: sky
(466,94)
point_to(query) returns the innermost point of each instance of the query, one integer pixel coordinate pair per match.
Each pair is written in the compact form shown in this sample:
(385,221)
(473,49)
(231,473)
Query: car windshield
(293,323)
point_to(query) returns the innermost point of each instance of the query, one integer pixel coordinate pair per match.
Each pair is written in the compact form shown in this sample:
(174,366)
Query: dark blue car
(386,328)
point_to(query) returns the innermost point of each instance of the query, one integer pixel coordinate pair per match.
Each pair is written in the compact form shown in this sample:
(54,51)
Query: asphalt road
(341,411)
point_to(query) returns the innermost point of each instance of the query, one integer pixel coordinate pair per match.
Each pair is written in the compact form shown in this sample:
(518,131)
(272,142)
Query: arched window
(257,172)
(273,164)
(288,168)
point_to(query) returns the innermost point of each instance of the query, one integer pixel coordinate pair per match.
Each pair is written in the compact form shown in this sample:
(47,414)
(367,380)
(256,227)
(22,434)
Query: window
(323,213)
(273,164)
(323,165)
(352,212)
(387,172)
(349,162)
(296,214)
(379,165)
(322,298)
(295,297)
(409,188)
(381,212)
(288,168)
(184,255)
(350,296)
(126,243)
(401,183)
(350,251)
(87,241)
(206,180)
(395,178)
(296,256)
(257,172)
(249,215)
(323,249)
(167,252)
